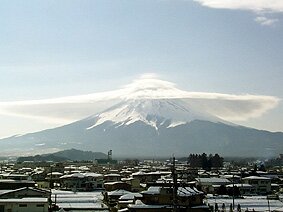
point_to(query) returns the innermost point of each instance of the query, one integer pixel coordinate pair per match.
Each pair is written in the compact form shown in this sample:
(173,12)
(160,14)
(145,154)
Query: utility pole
(50,180)
(50,187)
(109,158)
(109,155)
(175,186)
(233,193)
(268,204)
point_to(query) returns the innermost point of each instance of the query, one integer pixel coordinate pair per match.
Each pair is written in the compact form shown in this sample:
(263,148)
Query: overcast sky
(53,49)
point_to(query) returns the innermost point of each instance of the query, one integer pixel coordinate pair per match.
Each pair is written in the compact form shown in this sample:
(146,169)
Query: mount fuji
(149,128)
(156,113)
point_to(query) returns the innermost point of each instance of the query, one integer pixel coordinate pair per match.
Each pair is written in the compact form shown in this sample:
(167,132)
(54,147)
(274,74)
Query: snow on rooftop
(212,180)
(79,200)
(181,191)
(83,206)
(256,178)
(118,192)
(112,175)
(81,175)
(152,190)
(187,191)
(138,173)
(26,200)
(130,196)
(140,204)
(240,185)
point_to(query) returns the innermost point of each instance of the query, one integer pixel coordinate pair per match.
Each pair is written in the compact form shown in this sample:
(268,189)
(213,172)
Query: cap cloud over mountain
(64,110)
(152,118)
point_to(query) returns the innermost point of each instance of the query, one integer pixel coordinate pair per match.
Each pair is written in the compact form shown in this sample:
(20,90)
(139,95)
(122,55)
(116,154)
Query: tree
(222,190)
(201,160)
(262,168)
(217,161)
(204,162)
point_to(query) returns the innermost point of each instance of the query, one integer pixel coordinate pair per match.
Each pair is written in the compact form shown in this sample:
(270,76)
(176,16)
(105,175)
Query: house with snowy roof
(82,181)
(112,177)
(208,184)
(262,185)
(24,199)
(160,199)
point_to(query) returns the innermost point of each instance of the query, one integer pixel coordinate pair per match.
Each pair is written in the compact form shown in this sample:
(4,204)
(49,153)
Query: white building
(262,185)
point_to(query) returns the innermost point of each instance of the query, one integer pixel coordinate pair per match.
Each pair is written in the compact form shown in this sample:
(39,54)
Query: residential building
(262,185)
(82,181)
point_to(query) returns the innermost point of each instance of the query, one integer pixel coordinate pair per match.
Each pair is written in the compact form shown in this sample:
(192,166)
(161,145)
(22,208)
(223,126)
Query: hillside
(65,155)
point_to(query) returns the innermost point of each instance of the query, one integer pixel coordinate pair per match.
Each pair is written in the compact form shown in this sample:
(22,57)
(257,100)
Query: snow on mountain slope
(153,112)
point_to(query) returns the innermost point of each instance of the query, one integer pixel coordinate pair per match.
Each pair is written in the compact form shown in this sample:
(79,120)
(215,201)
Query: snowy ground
(93,201)
(258,203)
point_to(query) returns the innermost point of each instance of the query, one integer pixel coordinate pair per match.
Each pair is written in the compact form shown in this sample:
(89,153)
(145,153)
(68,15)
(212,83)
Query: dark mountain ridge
(65,155)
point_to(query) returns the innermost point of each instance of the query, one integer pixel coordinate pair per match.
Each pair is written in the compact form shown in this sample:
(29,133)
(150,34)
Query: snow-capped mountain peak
(153,112)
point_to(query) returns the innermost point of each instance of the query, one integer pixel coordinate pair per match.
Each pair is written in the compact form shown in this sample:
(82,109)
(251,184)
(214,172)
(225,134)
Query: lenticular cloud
(253,5)
(262,8)
(66,109)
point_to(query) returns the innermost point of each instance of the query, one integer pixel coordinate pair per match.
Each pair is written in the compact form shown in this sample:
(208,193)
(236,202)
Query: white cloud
(66,109)
(259,7)
(265,21)
(253,5)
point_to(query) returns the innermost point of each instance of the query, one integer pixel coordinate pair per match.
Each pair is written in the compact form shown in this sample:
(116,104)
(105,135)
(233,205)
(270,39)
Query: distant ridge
(65,155)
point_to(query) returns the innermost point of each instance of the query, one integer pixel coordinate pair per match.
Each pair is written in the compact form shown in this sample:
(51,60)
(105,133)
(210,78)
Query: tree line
(204,161)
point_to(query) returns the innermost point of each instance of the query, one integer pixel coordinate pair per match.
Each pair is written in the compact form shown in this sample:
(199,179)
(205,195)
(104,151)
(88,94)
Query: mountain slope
(153,112)
(70,154)
(152,128)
